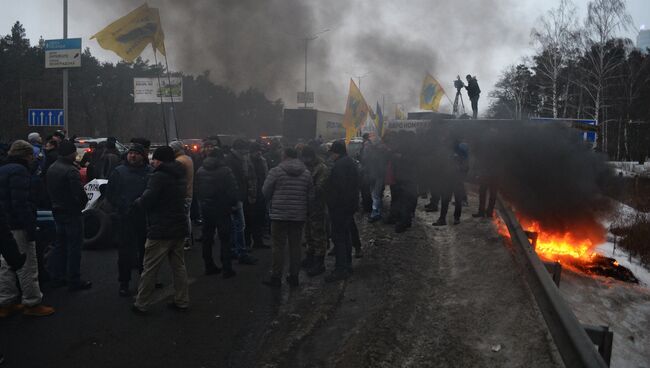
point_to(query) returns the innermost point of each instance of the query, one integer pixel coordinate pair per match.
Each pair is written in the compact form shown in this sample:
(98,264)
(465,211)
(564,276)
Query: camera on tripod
(458,83)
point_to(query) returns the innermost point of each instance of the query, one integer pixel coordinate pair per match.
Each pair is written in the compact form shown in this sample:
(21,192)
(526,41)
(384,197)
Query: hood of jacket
(174,168)
(212,163)
(293,167)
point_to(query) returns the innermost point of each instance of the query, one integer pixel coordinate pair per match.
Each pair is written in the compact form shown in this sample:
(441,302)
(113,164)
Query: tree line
(101,98)
(583,70)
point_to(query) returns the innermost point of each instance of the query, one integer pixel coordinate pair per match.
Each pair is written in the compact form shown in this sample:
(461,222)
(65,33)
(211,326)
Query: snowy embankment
(629,168)
(624,307)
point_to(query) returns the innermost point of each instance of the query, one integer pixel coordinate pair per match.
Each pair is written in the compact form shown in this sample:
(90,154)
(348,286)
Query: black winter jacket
(16,199)
(164,202)
(8,247)
(64,187)
(343,188)
(216,187)
(126,184)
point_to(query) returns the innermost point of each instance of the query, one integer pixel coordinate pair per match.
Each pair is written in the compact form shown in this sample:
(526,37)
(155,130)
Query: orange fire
(554,246)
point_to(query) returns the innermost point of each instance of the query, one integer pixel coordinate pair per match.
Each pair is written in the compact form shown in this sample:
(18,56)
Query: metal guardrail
(575,346)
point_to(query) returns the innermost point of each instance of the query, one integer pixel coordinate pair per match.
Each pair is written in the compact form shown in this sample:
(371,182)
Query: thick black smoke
(544,171)
(252,43)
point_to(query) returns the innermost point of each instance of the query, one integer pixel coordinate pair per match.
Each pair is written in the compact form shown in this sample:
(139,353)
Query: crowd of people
(304,196)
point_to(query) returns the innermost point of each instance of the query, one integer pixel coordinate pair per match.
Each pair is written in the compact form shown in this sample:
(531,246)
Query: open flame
(554,246)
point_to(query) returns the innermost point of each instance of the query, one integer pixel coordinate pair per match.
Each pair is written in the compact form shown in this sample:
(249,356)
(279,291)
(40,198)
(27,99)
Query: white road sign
(64,53)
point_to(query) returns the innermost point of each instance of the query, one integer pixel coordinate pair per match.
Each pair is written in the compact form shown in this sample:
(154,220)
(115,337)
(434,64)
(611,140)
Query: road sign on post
(65,53)
(46,117)
(305,98)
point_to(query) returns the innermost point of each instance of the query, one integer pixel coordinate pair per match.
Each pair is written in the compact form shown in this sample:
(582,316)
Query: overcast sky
(392,43)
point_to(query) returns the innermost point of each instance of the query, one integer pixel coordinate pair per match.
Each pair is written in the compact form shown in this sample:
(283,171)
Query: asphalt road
(96,328)
(429,297)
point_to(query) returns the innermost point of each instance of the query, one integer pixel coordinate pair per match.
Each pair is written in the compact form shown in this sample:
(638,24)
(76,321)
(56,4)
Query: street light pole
(66,116)
(307,39)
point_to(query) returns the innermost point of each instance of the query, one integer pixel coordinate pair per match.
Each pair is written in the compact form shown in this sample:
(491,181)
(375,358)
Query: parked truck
(307,124)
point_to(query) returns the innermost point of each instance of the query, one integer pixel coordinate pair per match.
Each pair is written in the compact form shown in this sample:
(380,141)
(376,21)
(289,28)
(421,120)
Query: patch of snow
(609,249)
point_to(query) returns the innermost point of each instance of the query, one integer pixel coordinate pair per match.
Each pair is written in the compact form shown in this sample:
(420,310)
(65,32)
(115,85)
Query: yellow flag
(129,35)
(431,93)
(399,112)
(356,112)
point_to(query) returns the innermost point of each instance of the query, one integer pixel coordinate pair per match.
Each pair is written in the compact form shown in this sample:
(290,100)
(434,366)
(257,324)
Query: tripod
(456,111)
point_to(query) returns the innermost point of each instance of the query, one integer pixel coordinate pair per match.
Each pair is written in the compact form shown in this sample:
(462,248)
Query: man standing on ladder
(473,91)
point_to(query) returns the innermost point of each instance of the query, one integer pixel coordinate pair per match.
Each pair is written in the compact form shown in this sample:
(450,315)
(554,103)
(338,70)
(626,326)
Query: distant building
(643,39)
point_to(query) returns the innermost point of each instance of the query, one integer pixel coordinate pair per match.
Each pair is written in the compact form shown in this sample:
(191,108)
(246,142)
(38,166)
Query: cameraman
(473,91)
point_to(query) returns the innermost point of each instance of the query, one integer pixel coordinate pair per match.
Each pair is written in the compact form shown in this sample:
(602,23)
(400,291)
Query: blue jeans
(377,193)
(65,259)
(238,227)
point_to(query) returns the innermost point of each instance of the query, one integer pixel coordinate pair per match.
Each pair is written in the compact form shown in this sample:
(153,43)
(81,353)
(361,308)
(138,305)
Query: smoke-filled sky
(258,43)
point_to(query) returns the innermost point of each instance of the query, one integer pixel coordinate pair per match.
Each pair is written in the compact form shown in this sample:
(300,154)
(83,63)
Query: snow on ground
(624,307)
(628,168)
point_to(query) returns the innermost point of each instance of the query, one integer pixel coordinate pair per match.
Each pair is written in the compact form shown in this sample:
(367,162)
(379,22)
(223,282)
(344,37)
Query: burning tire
(96,229)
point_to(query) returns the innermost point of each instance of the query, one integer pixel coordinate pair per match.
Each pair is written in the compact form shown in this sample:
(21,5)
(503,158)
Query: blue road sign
(45,117)
(63,44)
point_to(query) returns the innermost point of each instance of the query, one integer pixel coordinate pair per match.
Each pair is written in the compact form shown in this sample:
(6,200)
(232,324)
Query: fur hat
(20,148)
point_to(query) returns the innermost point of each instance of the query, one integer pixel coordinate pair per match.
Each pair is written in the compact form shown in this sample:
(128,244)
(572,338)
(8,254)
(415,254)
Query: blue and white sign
(64,53)
(45,117)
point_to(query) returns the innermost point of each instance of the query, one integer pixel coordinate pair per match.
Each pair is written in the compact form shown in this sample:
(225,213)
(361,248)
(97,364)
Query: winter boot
(440,222)
(317,267)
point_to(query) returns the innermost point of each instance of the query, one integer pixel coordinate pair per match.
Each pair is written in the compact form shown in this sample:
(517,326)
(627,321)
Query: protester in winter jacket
(455,168)
(289,190)
(473,91)
(374,161)
(239,162)
(164,204)
(127,182)
(19,205)
(342,203)
(68,200)
(188,165)
(315,227)
(110,159)
(218,196)
(256,212)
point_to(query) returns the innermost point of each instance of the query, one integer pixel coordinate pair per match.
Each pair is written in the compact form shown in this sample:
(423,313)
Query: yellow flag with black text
(129,35)
(431,93)
(356,112)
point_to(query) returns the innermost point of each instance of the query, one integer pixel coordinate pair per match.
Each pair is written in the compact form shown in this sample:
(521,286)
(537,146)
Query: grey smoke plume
(257,43)
(544,171)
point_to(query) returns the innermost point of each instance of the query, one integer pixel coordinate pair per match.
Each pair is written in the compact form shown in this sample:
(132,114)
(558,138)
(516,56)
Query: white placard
(146,90)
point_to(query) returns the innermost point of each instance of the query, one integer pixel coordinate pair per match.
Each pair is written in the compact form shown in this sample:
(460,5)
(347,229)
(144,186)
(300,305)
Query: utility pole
(66,116)
(359,78)
(307,39)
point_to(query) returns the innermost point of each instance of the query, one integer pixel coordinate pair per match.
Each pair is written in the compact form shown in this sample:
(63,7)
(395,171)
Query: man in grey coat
(289,190)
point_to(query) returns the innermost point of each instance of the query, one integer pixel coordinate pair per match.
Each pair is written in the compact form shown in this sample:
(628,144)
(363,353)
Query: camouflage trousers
(316,233)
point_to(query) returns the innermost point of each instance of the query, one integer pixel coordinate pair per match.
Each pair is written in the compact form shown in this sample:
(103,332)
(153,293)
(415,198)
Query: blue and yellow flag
(356,112)
(129,35)
(431,93)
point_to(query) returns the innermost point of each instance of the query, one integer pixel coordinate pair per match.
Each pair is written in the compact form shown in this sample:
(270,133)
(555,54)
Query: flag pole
(171,97)
(162,106)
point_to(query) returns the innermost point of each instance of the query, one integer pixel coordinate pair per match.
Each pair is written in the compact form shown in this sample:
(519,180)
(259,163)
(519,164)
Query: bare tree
(604,19)
(555,37)
(512,90)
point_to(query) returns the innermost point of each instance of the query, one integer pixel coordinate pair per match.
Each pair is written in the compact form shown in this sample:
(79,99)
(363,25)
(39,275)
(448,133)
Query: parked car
(83,146)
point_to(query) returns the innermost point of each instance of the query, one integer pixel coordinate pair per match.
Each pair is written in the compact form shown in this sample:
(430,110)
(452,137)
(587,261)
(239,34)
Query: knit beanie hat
(164,154)
(66,147)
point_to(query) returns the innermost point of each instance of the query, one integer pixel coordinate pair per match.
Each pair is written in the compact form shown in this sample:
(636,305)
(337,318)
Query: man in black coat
(127,182)
(218,196)
(473,91)
(17,201)
(256,212)
(342,202)
(68,200)
(164,204)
